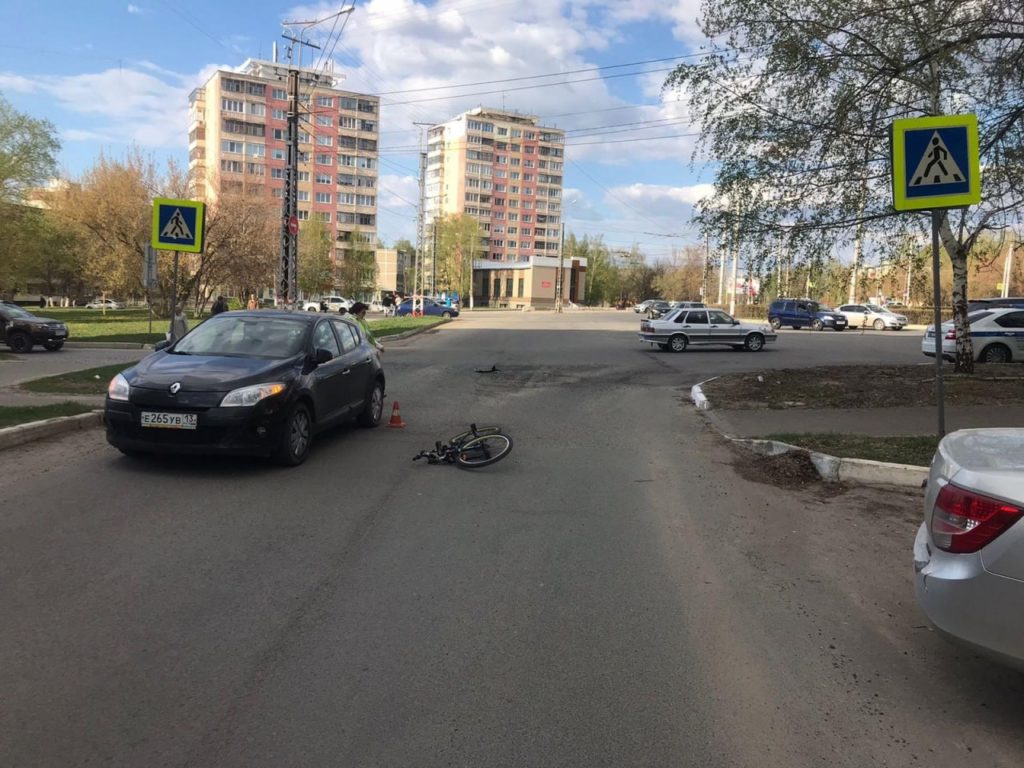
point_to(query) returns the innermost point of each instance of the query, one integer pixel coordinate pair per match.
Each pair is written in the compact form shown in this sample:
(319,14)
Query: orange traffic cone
(396,417)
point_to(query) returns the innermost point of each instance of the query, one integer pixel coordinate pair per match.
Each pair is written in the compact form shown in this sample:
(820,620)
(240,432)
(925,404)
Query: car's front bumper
(250,431)
(967,603)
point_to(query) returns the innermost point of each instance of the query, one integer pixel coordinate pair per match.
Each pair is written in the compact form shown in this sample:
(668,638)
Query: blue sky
(110,75)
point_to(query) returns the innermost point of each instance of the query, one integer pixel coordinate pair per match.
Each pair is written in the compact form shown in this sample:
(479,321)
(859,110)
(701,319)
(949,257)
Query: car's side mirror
(735,322)
(161,345)
(321,356)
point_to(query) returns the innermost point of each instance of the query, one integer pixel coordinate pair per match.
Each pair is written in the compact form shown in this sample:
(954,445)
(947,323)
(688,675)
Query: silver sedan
(872,316)
(969,551)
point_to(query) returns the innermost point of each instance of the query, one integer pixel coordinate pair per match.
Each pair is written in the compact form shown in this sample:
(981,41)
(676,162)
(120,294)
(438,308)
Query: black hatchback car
(21,330)
(253,383)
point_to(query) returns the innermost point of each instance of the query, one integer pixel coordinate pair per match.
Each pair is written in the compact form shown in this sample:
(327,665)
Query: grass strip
(90,381)
(390,326)
(917,450)
(12,415)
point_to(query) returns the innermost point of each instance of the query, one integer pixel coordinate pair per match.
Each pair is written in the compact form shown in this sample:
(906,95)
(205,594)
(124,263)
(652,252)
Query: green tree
(459,240)
(681,274)
(316,266)
(795,101)
(357,272)
(28,151)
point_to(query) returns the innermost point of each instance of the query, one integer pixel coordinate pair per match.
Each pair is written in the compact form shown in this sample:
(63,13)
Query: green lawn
(10,415)
(122,325)
(390,326)
(91,381)
(898,450)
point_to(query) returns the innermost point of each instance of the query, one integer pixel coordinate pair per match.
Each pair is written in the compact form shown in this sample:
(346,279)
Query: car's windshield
(16,311)
(876,308)
(813,306)
(227,336)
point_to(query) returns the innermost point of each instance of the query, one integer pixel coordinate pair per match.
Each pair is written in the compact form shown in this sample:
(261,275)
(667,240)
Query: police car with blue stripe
(997,335)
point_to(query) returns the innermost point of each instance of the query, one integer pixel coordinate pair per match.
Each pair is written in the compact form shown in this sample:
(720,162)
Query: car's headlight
(118,388)
(251,395)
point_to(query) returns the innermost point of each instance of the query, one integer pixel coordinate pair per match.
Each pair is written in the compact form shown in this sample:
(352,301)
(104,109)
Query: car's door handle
(367,360)
(346,372)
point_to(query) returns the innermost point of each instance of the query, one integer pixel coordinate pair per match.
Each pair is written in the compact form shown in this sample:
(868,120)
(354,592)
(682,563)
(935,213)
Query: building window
(324,101)
(368,125)
(321,197)
(323,159)
(303,175)
(278,133)
(512,244)
(256,150)
(232,105)
(324,120)
(278,173)
(514,161)
(366,162)
(277,192)
(367,106)
(513,217)
(279,93)
(257,110)
(323,178)
(324,216)
(365,199)
(527,218)
(256,89)
(277,114)
(303,215)
(366,219)
(232,146)
(514,189)
(508,286)
(497,282)
(303,137)
(346,198)
(277,154)
(530,150)
(516,133)
(522,287)
(232,86)
(231,166)
(254,169)
(349,161)
(303,196)
(347,103)
(503,131)
(351,123)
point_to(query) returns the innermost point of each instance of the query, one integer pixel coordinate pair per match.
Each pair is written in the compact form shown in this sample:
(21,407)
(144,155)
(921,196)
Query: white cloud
(134,9)
(661,199)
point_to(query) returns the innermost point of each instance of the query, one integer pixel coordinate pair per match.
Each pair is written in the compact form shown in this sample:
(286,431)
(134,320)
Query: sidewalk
(877,422)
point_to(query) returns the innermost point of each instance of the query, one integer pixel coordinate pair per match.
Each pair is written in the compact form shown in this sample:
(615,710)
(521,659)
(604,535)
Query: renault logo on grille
(175,387)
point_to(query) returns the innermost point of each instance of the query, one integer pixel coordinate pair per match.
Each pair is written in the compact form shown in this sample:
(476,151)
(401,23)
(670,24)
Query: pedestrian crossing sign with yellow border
(935,162)
(178,225)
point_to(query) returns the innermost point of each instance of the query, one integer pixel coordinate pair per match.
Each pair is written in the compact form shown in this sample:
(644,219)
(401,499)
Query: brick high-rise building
(238,141)
(505,170)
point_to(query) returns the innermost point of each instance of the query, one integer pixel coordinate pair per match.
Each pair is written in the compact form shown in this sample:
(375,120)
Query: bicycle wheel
(462,437)
(483,450)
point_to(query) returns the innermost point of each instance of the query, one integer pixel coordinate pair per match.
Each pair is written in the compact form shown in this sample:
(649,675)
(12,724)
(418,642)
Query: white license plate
(60,333)
(169,420)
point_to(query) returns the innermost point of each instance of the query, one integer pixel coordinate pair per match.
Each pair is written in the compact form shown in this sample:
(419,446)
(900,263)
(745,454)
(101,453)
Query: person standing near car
(253,304)
(388,303)
(220,305)
(359,312)
(179,324)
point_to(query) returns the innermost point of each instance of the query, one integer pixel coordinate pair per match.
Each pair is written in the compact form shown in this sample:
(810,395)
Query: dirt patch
(865,387)
(789,470)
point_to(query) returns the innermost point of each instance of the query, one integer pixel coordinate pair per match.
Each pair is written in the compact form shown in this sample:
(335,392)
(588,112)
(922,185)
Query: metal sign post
(936,166)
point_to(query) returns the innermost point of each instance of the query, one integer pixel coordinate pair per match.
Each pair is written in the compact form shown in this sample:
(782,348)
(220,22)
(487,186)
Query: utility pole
(433,257)
(561,266)
(421,221)
(704,273)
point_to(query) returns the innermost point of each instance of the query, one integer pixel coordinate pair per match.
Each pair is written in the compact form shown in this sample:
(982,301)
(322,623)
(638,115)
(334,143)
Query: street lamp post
(559,282)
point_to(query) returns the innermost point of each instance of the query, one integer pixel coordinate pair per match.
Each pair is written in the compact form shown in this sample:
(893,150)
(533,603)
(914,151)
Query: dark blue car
(804,313)
(430,307)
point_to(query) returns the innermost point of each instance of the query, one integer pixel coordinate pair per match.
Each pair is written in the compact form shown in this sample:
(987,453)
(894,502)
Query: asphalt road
(615,593)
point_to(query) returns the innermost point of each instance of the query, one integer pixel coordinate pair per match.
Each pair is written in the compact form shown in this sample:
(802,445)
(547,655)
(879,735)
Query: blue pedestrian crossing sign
(178,225)
(935,162)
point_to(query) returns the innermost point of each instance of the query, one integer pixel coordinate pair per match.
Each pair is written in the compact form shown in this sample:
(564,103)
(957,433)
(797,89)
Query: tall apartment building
(238,142)
(505,170)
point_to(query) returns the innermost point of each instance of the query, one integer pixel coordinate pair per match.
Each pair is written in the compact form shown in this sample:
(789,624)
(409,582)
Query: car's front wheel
(20,342)
(446,315)
(374,408)
(53,346)
(754,342)
(775,323)
(297,436)
(879,325)
(818,325)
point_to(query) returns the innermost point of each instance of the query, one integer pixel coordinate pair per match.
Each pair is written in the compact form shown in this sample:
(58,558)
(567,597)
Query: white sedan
(997,336)
(680,328)
(104,304)
(872,316)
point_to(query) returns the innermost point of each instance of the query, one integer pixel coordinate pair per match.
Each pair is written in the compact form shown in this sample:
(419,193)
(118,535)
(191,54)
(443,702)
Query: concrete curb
(20,434)
(831,469)
(106,345)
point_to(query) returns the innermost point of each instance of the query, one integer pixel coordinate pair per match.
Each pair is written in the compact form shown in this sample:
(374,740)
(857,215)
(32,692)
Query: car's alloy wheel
(775,323)
(374,409)
(20,342)
(879,325)
(296,437)
(754,342)
(996,353)
(818,325)
(53,346)
(677,343)
(446,314)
